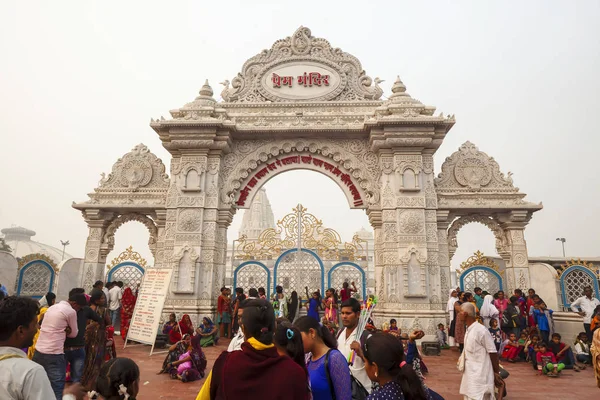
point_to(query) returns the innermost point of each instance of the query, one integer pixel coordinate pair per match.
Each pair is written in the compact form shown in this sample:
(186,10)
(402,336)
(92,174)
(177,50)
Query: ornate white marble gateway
(303,104)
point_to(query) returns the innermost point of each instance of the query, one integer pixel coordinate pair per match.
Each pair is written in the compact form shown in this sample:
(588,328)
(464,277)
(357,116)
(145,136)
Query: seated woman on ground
(208,333)
(258,368)
(175,351)
(119,378)
(169,325)
(186,360)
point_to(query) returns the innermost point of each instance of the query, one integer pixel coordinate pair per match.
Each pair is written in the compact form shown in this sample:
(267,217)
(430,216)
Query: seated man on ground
(563,353)
(582,349)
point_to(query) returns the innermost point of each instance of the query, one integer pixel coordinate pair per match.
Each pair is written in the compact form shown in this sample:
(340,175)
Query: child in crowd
(582,349)
(532,349)
(496,333)
(393,325)
(442,337)
(543,318)
(511,349)
(546,362)
(563,353)
(523,339)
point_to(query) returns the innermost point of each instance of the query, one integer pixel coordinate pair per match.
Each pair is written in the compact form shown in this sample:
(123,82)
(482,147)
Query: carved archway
(349,163)
(108,241)
(491,223)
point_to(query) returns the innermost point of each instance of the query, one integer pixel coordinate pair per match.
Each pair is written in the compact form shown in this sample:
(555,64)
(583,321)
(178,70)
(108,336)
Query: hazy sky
(80,80)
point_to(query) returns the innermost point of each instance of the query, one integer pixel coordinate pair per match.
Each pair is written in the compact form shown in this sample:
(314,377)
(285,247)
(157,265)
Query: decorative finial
(206,90)
(398,86)
(206,94)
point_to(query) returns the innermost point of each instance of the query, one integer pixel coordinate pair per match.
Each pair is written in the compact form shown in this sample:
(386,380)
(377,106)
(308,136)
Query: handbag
(460,364)
(358,390)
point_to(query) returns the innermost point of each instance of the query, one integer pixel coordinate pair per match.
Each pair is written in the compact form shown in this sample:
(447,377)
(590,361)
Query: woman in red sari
(127,306)
(186,325)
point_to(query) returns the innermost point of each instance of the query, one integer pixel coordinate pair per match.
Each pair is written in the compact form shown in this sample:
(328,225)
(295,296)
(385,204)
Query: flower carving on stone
(189,221)
(411,223)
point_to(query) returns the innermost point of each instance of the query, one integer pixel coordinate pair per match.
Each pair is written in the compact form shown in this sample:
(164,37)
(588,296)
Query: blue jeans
(77,360)
(114,316)
(56,369)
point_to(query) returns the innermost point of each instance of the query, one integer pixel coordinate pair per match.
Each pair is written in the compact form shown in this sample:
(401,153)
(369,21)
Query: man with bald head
(479,360)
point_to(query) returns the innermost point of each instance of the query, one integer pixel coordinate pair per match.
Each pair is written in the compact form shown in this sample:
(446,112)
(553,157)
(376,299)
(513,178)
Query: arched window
(573,280)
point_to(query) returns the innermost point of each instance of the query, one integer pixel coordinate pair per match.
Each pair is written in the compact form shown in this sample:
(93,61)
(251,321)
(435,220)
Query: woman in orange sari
(127,306)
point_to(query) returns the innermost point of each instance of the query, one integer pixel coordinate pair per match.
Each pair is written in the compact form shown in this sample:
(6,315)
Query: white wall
(544,281)
(8,271)
(70,276)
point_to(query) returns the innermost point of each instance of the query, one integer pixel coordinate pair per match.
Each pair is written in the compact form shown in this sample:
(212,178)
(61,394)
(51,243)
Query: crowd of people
(70,340)
(276,353)
(517,329)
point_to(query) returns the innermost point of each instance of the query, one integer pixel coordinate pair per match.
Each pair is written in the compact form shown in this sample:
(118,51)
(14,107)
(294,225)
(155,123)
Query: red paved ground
(443,377)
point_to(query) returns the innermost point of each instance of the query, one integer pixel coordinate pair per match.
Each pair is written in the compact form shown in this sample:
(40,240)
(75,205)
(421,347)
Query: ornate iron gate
(252,274)
(296,270)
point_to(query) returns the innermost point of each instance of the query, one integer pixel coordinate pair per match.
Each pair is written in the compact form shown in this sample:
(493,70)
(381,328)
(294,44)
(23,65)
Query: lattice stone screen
(251,276)
(36,280)
(573,284)
(297,271)
(129,275)
(346,273)
(480,278)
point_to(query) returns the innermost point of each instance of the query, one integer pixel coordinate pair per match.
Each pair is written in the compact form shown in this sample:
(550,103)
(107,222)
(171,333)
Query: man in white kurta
(481,359)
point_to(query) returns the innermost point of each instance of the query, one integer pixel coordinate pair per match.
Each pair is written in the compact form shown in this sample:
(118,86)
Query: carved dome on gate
(138,177)
(346,80)
(469,169)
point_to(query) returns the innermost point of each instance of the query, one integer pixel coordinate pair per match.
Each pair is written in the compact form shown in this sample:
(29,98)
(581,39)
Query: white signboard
(149,306)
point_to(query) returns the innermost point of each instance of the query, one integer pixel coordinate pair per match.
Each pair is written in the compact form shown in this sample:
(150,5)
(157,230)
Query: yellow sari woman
(595,350)
(45,303)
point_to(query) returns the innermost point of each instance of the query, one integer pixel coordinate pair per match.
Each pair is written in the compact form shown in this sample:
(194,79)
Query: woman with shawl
(207,332)
(450,308)
(169,325)
(489,311)
(98,346)
(45,302)
(127,307)
(185,325)
(595,351)
(191,364)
